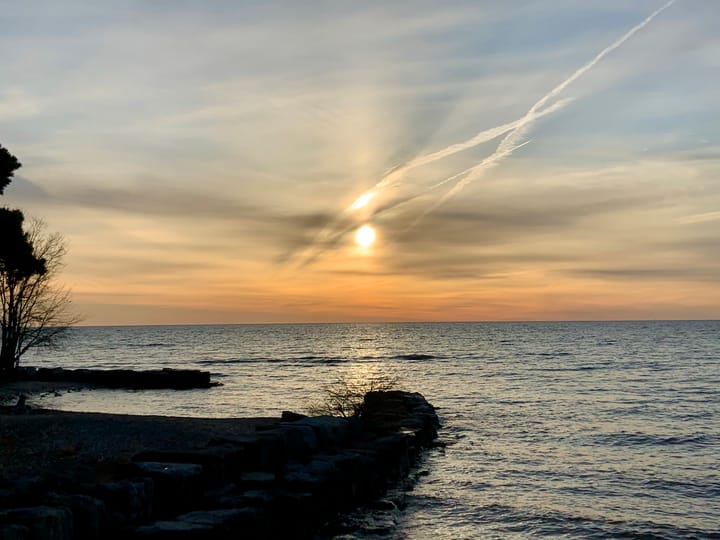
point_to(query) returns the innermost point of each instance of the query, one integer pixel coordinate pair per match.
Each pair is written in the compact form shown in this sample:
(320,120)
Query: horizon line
(299,323)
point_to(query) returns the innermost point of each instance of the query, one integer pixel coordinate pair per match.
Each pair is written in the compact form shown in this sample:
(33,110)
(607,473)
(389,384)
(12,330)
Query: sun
(365,236)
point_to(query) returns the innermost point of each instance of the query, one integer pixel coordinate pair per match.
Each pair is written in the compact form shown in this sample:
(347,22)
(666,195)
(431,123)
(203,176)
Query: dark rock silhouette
(178,379)
(287,480)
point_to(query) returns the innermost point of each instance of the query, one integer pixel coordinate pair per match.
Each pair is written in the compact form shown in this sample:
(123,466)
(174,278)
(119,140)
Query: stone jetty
(287,479)
(177,379)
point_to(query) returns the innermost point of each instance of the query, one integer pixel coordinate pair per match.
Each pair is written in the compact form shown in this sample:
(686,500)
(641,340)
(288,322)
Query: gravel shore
(58,442)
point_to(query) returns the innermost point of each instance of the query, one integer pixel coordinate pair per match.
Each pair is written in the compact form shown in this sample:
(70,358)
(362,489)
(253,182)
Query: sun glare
(365,236)
(362,200)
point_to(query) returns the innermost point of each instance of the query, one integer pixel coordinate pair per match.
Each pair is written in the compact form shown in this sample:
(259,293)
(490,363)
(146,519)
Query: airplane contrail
(513,131)
(510,142)
(395,173)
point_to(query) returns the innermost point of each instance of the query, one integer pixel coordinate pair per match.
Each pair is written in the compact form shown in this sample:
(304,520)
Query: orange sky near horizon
(212,164)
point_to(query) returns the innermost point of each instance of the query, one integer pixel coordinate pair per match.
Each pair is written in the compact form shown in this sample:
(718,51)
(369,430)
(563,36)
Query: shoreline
(162,477)
(11,390)
(42,440)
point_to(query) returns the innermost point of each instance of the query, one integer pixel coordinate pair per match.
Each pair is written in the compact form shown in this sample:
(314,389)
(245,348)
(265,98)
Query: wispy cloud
(699,218)
(511,142)
(203,143)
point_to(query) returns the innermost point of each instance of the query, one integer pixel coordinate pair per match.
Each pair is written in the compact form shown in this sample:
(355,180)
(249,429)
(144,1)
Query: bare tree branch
(344,396)
(35,312)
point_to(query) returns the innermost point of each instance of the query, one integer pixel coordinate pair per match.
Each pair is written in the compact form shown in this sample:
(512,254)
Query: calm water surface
(555,430)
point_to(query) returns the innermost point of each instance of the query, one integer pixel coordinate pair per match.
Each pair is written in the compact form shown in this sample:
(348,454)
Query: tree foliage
(8,165)
(34,311)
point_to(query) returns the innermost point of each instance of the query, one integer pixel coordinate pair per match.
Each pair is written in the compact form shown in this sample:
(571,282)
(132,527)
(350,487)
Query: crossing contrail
(510,142)
(395,174)
(514,131)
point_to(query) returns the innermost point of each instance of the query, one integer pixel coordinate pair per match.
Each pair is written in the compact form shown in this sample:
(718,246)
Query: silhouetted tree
(8,165)
(34,312)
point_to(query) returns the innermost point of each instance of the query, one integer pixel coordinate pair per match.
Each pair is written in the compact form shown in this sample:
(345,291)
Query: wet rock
(389,412)
(203,525)
(41,522)
(127,501)
(392,454)
(178,486)
(257,480)
(331,432)
(284,481)
(252,498)
(174,530)
(300,440)
(224,521)
(289,416)
(218,463)
(263,451)
(14,532)
(90,518)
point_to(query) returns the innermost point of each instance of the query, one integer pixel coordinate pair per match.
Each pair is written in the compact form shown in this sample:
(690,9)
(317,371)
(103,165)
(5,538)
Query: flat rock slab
(49,441)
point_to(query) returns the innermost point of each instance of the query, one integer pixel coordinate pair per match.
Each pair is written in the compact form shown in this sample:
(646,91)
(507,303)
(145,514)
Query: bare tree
(35,312)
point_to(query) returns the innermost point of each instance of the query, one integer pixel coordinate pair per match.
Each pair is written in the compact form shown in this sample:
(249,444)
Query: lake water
(554,430)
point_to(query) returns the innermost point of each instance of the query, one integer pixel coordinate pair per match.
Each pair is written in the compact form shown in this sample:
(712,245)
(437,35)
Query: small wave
(566,369)
(218,362)
(264,359)
(145,345)
(555,523)
(415,357)
(645,439)
(700,490)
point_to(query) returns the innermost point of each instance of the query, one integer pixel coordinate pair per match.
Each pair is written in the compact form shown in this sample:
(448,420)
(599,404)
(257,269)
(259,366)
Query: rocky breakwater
(178,379)
(288,479)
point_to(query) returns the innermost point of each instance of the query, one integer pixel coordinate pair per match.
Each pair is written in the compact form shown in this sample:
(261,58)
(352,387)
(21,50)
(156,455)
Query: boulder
(264,451)
(174,530)
(224,521)
(178,486)
(218,463)
(289,416)
(257,480)
(332,433)
(127,501)
(203,525)
(300,440)
(390,412)
(90,519)
(14,532)
(41,522)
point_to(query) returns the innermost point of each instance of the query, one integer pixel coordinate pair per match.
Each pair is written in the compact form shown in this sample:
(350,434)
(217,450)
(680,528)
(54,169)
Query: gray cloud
(23,189)
(155,201)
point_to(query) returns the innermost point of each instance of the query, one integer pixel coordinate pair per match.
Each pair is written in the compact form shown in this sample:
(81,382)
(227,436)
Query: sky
(211,162)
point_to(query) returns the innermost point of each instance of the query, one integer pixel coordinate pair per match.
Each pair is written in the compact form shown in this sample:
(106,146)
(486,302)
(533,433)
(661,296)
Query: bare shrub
(344,396)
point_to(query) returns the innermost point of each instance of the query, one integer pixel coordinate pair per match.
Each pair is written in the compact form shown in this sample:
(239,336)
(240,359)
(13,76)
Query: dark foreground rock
(288,479)
(179,379)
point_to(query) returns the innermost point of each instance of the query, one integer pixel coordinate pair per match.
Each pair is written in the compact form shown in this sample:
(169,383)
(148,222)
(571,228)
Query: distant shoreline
(339,323)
